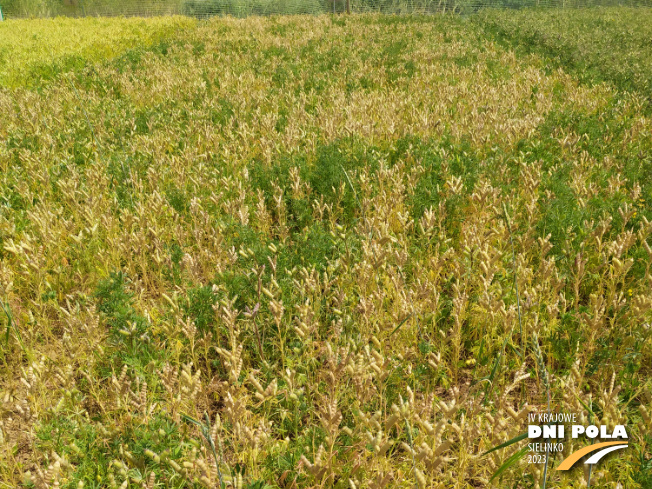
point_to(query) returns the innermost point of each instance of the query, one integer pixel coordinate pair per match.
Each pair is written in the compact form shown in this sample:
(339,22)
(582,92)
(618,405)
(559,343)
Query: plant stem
(414,465)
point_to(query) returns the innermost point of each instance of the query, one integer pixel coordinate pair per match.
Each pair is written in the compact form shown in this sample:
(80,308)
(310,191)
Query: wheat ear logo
(601,448)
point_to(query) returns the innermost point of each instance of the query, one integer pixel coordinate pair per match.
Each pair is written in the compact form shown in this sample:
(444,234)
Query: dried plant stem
(206,433)
(515,269)
(414,465)
(546,382)
(259,340)
(490,378)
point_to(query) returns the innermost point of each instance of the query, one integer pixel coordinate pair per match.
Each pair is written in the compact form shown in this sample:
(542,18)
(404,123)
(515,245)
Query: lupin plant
(317,252)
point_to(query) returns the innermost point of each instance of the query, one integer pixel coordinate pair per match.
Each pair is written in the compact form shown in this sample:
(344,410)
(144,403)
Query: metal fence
(242,8)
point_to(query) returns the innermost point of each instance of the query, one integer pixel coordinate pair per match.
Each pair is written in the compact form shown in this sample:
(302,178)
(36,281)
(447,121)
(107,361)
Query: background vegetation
(317,252)
(51,46)
(243,8)
(595,45)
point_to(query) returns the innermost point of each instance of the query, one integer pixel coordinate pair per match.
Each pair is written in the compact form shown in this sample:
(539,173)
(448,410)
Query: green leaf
(516,439)
(190,419)
(586,407)
(510,461)
(518,353)
(491,376)
(10,324)
(399,325)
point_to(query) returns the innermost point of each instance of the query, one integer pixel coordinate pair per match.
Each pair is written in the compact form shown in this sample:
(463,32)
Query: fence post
(348,6)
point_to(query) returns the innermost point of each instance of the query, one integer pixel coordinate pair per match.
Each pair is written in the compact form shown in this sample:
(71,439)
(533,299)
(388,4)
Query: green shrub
(242,8)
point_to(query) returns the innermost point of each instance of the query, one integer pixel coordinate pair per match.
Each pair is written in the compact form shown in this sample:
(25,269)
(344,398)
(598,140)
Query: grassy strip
(66,44)
(596,45)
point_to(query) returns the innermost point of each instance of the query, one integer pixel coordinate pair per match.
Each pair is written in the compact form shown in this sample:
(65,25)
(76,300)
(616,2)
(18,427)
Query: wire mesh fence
(242,8)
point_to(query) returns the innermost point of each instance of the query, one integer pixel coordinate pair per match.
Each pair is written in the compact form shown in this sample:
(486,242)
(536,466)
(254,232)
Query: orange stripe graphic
(574,457)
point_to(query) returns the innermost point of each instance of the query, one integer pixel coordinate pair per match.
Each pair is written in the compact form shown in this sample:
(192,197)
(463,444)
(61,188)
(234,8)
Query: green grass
(596,45)
(55,46)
